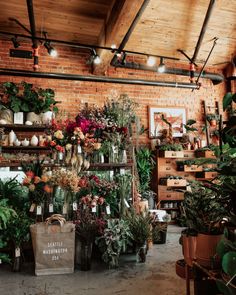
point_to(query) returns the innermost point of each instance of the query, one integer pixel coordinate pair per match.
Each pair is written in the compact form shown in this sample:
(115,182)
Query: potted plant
(115,238)
(212,119)
(25,98)
(6,214)
(87,228)
(159,229)
(204,214)
(140,228)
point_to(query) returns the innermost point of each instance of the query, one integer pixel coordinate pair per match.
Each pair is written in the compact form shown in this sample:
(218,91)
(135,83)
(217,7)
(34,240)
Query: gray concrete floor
(156,276)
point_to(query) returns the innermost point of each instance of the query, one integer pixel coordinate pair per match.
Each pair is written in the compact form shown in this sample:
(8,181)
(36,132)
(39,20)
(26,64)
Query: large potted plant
(140,227)
(115,238)
(204,214)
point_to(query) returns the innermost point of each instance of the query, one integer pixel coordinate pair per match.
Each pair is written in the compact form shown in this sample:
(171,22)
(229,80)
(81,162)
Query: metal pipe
(203,30)
(215,78)
(46,75)
(33,33)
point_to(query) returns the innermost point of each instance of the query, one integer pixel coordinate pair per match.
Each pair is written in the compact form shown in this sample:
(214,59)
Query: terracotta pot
(180,269)
(189,248)
(213,123)
(206,248)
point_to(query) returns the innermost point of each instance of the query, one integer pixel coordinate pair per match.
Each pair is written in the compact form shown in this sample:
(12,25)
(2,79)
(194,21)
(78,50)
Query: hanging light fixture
(51,51)
(16,44)
(95,57)
(151,61)
(161,67)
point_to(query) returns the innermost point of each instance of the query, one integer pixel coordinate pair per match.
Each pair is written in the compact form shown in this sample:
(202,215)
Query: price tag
(79,149)
(50,209)
(94,209)
(74,206)
(108,210)
(111,174)
(126,203)
(64,210)
(32,207)
(17,252)
(122,171)
(84,206)
(39,210)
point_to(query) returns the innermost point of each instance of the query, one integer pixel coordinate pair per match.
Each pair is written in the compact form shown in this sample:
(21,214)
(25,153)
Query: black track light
(15,42)
(51,51)
(161,67)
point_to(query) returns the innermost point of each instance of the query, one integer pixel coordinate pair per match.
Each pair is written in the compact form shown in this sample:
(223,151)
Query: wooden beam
(118,22)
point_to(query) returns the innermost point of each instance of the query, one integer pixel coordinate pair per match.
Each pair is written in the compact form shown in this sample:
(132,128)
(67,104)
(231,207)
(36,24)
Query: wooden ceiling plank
(117,25)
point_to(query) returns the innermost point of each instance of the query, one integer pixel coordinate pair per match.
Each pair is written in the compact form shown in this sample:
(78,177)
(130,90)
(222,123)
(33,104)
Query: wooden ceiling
(164,27)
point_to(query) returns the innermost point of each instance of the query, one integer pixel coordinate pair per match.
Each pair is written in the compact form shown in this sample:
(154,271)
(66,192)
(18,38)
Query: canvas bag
(53,246)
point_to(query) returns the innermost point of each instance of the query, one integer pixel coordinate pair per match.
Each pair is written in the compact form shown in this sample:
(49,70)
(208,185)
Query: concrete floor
(156,276)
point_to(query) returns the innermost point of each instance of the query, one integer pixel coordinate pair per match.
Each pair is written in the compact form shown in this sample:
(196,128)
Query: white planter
(19,118)
(34,118)
(12,137)
(34,140)
(47,117)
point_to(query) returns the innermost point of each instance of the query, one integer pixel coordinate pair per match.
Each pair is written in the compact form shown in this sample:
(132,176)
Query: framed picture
(174,115)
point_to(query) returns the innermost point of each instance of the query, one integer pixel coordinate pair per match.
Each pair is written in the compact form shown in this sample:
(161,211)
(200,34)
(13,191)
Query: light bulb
(97,60)
(151,61)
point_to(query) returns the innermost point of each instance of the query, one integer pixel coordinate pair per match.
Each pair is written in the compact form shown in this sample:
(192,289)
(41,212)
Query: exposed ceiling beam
(121,17)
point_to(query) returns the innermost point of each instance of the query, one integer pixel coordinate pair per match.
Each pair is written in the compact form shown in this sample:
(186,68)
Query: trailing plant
(140,227)
(24,98)
(115,238)
(145,164)
(203,210)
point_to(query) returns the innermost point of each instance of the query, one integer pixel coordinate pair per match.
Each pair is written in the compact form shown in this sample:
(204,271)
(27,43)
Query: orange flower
(37,179)
(29,174)
(26,180)
(44,178)
(48,189)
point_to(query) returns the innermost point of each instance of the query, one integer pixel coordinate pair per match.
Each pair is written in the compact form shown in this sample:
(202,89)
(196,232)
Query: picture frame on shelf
(174,115)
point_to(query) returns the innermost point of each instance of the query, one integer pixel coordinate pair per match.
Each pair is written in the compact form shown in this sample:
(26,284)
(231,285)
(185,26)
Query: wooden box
(204,154)
(189,168)
(174,182)
(171,154)
(206,175)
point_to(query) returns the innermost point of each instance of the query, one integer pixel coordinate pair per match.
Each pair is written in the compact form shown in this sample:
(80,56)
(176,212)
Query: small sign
(94,209)
(74,206)
(126,203)
(32,207)
(64,209)
(39,210)
(17,252)
(19,118)
(122,171)
(50,209)
(108,210)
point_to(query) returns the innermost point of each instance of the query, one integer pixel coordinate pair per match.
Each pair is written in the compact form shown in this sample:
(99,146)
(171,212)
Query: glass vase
(86,255)
(123,156)
(141,252)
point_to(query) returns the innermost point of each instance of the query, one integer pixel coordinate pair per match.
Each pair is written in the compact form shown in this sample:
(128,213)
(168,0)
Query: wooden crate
(204,154)
(206,175)
(189,168)
(171,154)
(174,182)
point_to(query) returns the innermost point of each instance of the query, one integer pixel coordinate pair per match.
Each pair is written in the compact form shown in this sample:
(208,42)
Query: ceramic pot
(47,117)
(12,137)
(206,248)
(189,248)
(32,117)
(34,140)
(7,116)
(25,142)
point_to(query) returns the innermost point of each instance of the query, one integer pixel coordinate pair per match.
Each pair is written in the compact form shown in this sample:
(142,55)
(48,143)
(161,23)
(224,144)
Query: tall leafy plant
(145,164)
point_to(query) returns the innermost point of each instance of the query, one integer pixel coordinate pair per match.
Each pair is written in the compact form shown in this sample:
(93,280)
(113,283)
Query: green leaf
(229,263)
(227,100)
(190,122)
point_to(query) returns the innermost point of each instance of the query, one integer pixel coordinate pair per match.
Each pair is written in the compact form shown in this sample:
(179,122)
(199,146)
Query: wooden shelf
(24,148)
(23,127)
(168,209)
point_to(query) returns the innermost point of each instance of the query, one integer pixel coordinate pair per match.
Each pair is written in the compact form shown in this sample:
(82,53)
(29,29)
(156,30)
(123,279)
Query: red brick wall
(73,93)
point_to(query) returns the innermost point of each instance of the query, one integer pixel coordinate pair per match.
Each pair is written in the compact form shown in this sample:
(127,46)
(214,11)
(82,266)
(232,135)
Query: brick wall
(74,93)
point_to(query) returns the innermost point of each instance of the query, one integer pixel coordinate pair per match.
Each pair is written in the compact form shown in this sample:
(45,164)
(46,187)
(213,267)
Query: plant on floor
(6,214)
(159,229)
(203,210)
(145,164)
(116,237)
